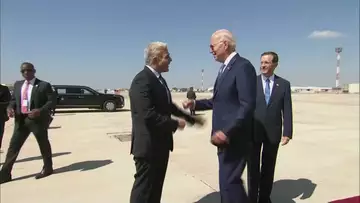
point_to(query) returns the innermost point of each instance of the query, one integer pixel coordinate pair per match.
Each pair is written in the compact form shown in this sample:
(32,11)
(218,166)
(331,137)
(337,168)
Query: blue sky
(101,43)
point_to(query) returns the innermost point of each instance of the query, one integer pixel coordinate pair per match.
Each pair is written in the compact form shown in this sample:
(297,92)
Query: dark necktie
(163,82)
(221,70)
(267,91)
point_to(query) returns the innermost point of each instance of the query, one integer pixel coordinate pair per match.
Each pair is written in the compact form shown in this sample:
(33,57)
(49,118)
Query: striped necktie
(222,69)
(267,91)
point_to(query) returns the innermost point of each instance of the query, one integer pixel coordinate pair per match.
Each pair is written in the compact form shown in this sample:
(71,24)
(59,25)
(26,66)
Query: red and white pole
(338,50)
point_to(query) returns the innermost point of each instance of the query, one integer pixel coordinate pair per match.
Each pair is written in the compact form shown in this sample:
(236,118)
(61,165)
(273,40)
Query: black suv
(75,96)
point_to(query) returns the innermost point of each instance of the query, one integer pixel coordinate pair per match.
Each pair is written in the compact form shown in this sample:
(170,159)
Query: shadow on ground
(80,166)
(213,197)
(54,127)
(87,111)
(39,157)
(284,191)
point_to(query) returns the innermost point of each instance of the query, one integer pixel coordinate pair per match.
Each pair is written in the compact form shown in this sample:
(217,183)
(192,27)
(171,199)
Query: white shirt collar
(228,59)
(271,78)
(32,81)
(154,71)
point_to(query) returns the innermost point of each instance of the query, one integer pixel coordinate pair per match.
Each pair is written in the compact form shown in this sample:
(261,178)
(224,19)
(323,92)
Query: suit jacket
(42,98)
(191,95)
(270,118)
(152,125)
(5,98)
(233,102)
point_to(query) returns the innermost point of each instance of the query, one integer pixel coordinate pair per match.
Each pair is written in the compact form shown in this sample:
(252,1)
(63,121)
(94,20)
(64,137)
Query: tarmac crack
(202,181)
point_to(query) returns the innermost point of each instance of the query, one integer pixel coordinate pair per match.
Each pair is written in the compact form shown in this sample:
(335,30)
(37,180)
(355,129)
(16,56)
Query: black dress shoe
(44,173)
(5,178)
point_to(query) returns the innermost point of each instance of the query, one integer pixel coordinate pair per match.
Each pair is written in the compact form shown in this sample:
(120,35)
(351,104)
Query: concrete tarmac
(93,165)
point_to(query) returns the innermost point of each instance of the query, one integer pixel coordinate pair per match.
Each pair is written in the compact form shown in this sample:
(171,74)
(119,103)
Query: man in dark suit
(5,97)
(233,105)
(152,125)
(30,105)
(57,99)
(191,95)
(273,108)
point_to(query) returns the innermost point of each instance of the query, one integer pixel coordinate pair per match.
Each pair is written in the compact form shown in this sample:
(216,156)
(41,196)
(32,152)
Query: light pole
(338,50)
(202,80)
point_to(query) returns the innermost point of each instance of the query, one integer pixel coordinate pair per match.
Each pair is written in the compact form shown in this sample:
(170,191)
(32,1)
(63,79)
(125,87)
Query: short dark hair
(28,64)
(275,56)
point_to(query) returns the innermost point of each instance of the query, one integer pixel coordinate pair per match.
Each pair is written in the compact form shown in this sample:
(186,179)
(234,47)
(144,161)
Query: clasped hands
(182,123)
(218,138)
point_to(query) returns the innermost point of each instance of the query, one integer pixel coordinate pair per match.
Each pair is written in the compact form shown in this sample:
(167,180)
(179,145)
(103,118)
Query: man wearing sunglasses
(30,105)
(233,104)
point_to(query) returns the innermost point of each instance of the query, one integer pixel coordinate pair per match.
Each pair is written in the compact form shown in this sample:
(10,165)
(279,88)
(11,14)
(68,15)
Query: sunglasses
(213,45)
(27,70)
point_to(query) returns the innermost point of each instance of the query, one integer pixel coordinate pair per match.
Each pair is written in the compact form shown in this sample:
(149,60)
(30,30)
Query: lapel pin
(277,84)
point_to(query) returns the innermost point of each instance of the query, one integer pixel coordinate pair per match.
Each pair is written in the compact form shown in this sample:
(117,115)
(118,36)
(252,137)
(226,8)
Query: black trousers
(149,178)
(22,130)
(2,129)
(260,180)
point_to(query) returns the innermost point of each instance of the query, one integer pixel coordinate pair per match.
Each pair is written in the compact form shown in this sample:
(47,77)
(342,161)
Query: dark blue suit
(233,105)
(271,122)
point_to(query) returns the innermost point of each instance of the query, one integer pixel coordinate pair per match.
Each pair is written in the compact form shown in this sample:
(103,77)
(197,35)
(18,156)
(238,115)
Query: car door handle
(81,97)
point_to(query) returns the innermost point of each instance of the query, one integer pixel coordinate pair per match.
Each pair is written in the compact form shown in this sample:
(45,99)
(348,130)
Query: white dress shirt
(158,75)
(228,59)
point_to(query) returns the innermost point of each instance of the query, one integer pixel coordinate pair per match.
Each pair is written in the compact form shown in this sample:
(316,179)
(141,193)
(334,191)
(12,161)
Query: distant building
(310,89)
(353,88)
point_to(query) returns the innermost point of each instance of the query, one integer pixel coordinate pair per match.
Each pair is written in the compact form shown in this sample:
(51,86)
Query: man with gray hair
(152,125)
(233,105)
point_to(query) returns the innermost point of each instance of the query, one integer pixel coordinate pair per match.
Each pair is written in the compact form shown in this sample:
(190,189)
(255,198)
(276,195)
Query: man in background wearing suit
(233,105)
(191,95)
(5,97)
(30,105)
(152,125)
(273,108)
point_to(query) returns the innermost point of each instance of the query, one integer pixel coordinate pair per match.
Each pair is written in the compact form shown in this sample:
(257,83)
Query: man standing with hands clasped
(31,102)
(233,105)
(152,125)
(273,109)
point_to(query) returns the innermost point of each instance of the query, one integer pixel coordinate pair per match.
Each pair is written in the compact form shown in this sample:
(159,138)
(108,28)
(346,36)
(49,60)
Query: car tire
(109,106)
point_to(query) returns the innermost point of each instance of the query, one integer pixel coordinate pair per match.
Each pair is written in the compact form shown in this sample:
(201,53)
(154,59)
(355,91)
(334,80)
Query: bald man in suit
(30,107)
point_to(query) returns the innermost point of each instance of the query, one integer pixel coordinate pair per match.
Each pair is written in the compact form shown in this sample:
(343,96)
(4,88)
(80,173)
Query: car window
(74,91)
(61,91)
(86,92)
